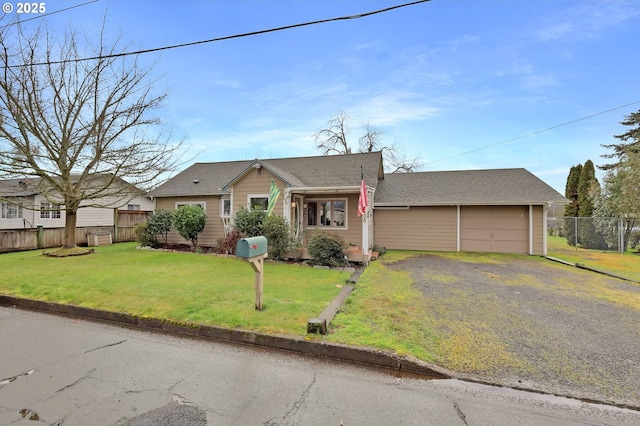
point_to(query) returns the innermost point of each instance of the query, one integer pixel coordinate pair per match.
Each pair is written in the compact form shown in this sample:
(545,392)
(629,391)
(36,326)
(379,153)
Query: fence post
(575,227)
(40,242)
(621,246)
(116,236)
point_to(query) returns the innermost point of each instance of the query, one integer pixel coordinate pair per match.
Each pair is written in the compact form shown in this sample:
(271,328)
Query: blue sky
(440,78)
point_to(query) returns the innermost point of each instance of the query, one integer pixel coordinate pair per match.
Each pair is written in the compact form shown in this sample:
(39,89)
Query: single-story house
(499,210)
(23,206)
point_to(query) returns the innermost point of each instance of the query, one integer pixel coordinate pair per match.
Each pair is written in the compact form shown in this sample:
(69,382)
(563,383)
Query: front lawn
(625,264)
(174,286)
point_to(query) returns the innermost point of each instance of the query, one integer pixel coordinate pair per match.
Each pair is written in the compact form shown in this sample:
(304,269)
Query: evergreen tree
(588,236)
(572,209)
(630,142)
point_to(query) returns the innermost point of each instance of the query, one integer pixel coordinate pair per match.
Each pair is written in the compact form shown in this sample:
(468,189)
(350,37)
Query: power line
(48,14)
(532,133)
(252,33)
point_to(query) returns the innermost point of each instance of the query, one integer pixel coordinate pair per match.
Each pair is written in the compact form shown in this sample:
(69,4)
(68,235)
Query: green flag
(274,193)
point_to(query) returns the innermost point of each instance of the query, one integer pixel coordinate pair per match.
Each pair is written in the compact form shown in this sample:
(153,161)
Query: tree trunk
(70,229)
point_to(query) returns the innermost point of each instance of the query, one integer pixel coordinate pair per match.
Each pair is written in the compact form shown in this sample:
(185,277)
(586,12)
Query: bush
(143,236)
(327,249)
(227,245)
(249,222)
(634,239)
(160,223)
(280,238)
(189,221)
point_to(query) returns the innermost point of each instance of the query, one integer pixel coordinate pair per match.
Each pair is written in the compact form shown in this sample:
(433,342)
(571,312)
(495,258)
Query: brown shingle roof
(316,171)
(479,187)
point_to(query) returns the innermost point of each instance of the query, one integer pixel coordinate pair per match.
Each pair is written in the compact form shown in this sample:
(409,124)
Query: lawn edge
(353,354)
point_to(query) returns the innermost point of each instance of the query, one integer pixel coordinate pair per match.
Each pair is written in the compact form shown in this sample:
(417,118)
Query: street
(63,371)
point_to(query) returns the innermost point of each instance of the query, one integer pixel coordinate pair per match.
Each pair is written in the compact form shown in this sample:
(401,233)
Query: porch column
(287,206)
(365,235)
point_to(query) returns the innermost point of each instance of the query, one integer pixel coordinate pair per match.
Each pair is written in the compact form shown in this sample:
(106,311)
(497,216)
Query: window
(133,206)
(10,211)
(258,202)
(202,204)
(327,213)
(49,210)
(225,207)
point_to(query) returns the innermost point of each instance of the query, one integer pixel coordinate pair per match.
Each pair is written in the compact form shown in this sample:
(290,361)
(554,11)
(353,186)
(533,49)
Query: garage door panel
(477,234)
(501,229)
(417,228)
(505,235)
(511,224)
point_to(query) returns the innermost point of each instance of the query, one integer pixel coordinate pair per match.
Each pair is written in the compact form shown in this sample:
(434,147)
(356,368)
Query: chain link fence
(600,233)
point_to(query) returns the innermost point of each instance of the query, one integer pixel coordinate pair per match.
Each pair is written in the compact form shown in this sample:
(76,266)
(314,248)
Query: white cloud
(539,81)
(393,107)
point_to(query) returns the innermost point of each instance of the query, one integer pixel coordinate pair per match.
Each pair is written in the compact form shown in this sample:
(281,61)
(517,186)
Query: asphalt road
(63,371)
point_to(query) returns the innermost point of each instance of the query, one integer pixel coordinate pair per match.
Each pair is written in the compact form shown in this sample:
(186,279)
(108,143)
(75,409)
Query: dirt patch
(526,322)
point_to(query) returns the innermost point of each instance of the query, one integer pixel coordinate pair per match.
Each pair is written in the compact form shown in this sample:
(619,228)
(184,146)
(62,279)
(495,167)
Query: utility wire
(48,14)
(252,33)
(532,133)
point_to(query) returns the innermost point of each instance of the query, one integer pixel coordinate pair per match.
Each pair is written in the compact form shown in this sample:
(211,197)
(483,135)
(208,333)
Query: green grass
(179,287)
(386,312)
(625,264)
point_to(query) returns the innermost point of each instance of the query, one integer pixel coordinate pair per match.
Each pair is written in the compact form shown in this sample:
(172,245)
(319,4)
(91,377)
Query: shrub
(189,221)
(327,249)
(227,245)
(143,236)
(280,238)
(249,222)
(160,223)
(634,239)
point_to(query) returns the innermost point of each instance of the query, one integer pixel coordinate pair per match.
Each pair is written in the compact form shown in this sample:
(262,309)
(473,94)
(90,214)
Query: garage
(497,229)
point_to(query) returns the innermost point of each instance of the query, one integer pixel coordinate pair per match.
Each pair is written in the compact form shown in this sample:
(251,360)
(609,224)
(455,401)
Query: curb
(357,355)
(588,268)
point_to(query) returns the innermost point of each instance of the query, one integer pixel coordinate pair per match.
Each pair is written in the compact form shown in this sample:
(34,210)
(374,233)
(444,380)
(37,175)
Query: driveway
(532,323)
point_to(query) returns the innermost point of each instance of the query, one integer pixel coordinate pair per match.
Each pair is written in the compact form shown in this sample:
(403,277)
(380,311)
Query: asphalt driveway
(532,323)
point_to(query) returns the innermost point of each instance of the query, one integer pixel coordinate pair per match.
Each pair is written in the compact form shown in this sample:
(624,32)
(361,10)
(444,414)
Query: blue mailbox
(251,247)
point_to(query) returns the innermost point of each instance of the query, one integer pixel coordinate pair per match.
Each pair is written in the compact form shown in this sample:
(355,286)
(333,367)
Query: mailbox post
(254,251)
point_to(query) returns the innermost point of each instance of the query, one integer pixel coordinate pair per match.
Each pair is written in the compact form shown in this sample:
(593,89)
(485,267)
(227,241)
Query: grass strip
(178,287)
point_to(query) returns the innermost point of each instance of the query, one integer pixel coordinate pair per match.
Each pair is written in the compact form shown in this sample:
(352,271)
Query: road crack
(105,346)
(89,373)
(4,382)
(460,413)
(289,418)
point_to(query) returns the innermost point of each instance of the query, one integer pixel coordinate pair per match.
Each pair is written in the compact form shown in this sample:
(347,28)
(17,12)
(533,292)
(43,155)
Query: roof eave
(323,189)
(468,203)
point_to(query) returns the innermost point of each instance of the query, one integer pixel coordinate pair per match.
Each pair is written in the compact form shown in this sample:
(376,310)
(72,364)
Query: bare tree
(333,139)
(80,129)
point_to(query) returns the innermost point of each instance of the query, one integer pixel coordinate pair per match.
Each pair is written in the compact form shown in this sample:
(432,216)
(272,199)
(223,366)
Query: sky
(463,84)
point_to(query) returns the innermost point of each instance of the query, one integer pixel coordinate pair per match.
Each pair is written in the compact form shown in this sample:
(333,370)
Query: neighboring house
(30,208)
(501,210)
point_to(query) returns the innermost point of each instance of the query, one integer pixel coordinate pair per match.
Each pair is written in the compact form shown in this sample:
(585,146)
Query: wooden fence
(28,239)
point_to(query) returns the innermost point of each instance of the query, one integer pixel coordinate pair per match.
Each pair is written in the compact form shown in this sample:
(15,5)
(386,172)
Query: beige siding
(418,228)
(254,184)
(213,228)
(538,231)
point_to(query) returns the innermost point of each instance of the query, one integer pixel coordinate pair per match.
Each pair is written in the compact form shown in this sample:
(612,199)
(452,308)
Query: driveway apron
(530,323)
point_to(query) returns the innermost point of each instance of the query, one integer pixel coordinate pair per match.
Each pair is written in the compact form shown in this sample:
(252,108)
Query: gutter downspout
(458,227)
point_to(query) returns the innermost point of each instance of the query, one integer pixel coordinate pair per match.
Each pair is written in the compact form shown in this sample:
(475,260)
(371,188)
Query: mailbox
(251,247)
